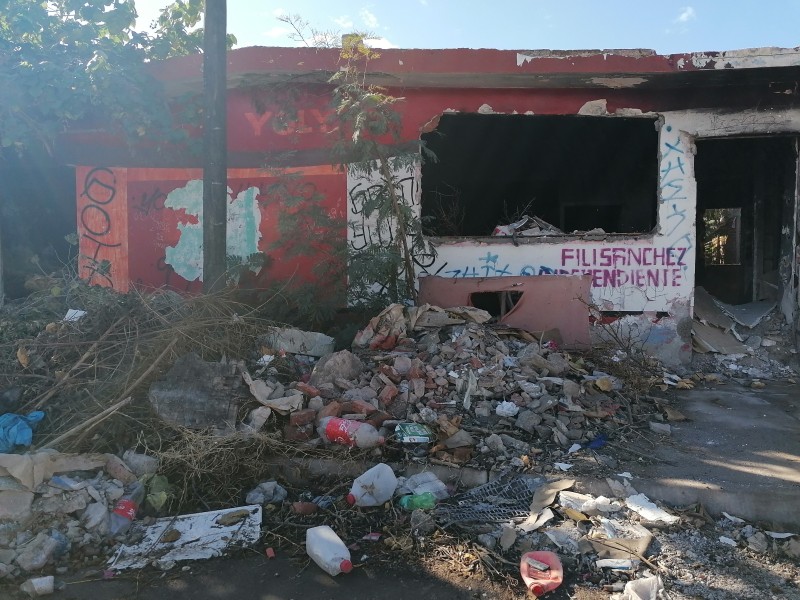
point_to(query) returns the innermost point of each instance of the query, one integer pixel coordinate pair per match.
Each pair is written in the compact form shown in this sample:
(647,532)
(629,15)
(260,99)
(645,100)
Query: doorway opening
(745,195)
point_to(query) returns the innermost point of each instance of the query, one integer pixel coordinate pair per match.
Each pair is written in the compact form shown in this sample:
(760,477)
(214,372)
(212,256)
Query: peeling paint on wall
(618,82)
(749,58)
(524,57)
(243,229)
(597,108)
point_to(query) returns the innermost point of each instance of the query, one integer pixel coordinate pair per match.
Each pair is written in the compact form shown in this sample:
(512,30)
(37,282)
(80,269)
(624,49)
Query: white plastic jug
(373,487)
(328,550)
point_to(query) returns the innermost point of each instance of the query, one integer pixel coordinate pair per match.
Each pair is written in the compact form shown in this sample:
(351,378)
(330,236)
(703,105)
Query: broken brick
(334,409)
(358,406)
(390,372)
(304,508)
(475,362)
(377,418)
(302,417)
(308,389)
(388,394)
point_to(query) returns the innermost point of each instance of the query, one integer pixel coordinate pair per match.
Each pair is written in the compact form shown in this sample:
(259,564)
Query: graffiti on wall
(612,267)
(366,230)
(677,216)
(627,275)
(306,121)
(102,227)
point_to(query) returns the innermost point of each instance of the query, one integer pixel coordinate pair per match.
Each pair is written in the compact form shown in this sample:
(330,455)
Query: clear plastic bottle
(328,550)
(374,487)
(349,433)
(411,502)
(427,481)
(125,509)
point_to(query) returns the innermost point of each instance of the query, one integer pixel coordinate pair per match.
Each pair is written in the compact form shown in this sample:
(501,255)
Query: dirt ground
(696,567)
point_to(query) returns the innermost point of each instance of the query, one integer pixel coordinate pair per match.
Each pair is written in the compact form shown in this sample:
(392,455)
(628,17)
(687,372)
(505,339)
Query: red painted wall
(125,228)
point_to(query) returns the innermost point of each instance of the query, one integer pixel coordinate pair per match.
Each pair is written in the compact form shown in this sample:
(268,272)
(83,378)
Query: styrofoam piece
(296,341)
(201,535)
(646,508)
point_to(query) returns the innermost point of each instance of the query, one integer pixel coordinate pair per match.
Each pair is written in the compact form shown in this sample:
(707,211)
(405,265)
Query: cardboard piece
(546,494)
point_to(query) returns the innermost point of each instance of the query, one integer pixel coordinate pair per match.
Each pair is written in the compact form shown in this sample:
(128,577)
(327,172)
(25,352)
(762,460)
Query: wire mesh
(503,499)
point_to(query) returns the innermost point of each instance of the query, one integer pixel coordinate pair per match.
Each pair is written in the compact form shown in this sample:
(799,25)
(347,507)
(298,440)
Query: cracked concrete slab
(739,452)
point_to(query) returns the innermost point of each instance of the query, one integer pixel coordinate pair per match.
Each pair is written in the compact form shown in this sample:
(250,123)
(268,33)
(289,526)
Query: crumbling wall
(652,274)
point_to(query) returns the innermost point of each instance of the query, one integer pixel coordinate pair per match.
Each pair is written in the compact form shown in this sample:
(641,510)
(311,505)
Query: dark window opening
(722,236)
(576,173)
(497,304)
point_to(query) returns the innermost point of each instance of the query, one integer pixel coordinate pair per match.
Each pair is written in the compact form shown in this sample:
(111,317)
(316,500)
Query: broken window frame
(548,233)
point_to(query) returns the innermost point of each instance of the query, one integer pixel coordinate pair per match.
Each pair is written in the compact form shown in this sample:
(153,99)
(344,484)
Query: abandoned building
(643,177)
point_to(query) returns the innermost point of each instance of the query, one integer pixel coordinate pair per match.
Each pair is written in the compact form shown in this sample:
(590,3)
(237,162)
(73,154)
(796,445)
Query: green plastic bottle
(414,501)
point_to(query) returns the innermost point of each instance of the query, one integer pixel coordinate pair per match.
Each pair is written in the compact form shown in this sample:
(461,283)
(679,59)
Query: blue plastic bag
(17,430)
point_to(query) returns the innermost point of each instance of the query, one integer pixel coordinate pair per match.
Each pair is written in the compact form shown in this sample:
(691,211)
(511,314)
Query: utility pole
(215,146)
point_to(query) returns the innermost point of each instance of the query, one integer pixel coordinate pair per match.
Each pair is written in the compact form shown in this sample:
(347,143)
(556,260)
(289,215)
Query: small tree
(367,121)
(368,127)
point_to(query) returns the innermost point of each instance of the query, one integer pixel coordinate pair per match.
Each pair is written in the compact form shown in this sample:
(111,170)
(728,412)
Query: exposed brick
(334,409)
(308,389)
(302,417)
(390,372)
(388,394)
(358,406)
(377,418)
(475,362)
(304,508)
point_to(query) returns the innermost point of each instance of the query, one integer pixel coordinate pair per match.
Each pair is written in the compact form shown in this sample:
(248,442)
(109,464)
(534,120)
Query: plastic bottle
(414,501)
(373,487)
(349,433)
(125,510)
(537,581)
(427,481)
(328,550)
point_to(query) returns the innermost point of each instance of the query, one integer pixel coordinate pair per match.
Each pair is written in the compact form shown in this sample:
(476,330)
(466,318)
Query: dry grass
(74,371)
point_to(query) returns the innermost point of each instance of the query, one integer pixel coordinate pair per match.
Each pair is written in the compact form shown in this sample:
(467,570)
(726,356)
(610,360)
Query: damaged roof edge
(402,63)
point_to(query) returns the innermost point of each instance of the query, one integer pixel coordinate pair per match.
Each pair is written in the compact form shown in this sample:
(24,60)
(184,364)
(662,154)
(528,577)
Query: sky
(662,25)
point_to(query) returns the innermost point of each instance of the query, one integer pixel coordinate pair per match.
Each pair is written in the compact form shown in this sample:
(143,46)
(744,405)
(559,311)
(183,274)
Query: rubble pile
(476,395)
(421,387)
(56,508)
(746,343)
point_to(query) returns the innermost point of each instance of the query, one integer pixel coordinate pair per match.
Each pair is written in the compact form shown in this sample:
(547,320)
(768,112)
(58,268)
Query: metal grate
(500,500)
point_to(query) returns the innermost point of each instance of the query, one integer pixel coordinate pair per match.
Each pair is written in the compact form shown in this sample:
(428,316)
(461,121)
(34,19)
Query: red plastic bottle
(349,433)
(125,510)
(540,582)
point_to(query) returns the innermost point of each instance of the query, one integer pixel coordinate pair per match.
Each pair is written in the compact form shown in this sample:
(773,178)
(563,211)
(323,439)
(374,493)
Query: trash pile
(744,342)
(441,385)
(193,395)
